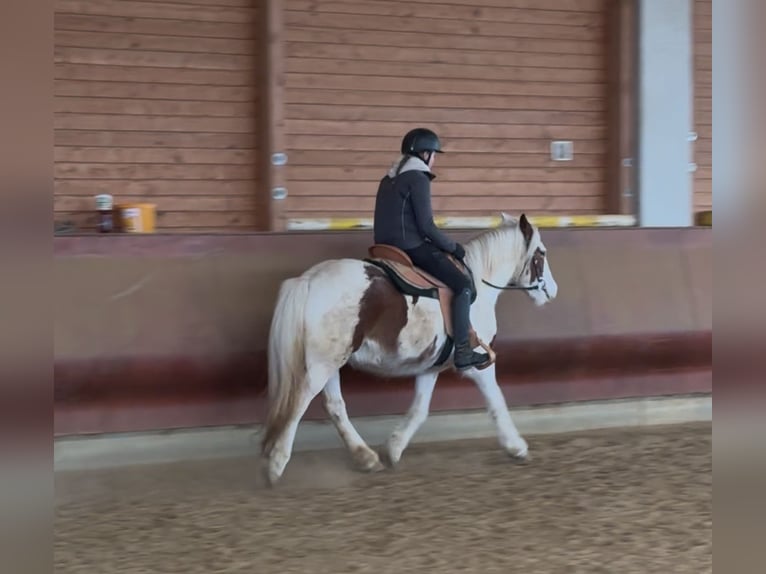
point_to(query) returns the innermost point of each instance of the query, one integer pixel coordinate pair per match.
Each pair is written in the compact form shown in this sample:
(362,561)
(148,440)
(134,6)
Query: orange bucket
(137,217)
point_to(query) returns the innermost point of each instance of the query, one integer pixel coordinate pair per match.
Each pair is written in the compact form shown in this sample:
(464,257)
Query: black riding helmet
(419,140)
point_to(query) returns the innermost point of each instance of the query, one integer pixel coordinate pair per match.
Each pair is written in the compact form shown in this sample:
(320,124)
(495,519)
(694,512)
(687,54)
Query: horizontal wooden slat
(454,101)
(704,127)
(704,161)
(160,10)
(64,170)
(703,22)
(149,189)
(563,5)
(467,201)
(452,174)
(705,35)
(107,138)
(447,131)
(148,107)
(703,187)
(170,220)
(148,74)
(382,160)
(703,49)
(149,42)
(464,13)
(416,40)
(185,124)
(388,144)
(433,114)
(483,59)
(216,219)
(363,189)
(438,86)
(228,229)
(152,155)
(703,201)
(154,59)
(443,71)
(437,26)
(704,77)
(130,25)
(125,89)
(164,203)
(232,3)
(455,210)
(703,105)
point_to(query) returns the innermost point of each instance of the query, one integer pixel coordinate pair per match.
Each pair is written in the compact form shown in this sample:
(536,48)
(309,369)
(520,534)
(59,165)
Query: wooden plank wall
(498,79)
(157,101)
(703,104)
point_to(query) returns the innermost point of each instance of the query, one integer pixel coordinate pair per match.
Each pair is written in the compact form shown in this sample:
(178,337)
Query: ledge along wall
(169,331)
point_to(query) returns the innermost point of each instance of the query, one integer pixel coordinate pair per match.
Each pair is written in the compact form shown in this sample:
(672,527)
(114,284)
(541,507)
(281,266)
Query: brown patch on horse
(382,312)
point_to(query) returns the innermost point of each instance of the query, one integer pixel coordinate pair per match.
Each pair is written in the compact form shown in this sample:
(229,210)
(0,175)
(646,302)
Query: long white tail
(287,357)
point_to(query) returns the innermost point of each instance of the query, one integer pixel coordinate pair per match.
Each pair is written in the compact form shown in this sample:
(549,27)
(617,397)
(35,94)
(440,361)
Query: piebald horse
(348,311)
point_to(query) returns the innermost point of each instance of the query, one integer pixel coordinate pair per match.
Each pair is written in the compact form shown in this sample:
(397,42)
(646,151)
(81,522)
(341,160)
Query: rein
(511,287)
(539,284)
(537,274)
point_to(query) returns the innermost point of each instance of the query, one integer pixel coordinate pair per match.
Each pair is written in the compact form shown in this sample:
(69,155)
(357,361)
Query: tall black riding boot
(465,356)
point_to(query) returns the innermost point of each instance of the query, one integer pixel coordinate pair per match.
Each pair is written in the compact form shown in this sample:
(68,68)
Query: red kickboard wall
(169,331)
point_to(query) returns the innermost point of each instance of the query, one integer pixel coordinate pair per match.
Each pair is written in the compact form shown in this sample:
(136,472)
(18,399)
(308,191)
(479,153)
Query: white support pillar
(666,83)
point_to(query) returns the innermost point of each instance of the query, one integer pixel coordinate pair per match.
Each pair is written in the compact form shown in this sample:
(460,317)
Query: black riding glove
(459,252)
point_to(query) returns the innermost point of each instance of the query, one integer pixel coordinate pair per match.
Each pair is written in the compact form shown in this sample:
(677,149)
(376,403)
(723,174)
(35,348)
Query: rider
(404,219)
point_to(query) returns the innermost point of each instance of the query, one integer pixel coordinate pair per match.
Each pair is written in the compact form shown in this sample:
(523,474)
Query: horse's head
(533,271)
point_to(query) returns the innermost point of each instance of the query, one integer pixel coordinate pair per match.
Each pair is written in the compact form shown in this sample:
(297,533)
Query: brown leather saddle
(413,281)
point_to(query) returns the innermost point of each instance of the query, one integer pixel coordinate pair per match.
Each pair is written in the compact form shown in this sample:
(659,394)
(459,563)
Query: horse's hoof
(271,472)
(384,455)
(269,480)
(367,460)
(519,457)
(519,453)
(376,467)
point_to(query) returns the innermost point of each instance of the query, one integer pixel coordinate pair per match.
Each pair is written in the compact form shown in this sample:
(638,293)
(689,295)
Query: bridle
(537,265)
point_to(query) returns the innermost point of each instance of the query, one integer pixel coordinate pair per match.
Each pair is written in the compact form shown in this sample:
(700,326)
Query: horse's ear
(506,219)
(526,228)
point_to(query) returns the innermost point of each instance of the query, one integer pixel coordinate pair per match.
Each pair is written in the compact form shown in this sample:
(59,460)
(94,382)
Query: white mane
(495,254)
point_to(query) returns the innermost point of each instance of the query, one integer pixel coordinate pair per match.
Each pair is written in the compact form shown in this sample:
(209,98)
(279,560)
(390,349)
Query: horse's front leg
(416,416)
(507,433)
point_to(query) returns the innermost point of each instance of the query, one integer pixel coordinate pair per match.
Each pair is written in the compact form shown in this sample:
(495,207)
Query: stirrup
(472,365)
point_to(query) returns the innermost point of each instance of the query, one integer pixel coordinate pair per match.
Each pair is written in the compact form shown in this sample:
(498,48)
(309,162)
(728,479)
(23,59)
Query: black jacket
(403,215)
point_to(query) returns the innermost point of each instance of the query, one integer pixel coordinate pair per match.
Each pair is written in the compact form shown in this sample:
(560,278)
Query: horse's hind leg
(364,457)
(416,416)
(316,379)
